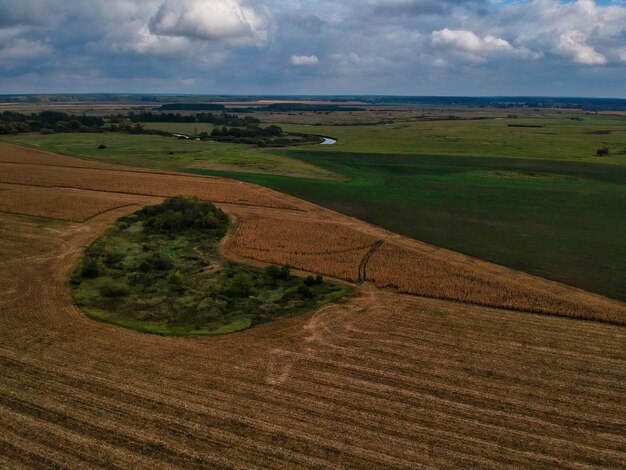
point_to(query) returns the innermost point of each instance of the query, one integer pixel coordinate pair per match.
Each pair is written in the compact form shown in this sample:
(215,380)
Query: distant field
(168,153)
(555,137)
(560,220)
(559,138)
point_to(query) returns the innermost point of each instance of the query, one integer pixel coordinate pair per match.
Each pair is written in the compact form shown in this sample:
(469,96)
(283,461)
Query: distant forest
(228,127)
(588,104)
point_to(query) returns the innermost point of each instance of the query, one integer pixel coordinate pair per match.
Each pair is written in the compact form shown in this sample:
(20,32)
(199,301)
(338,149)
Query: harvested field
(426,274)
(135,182)
(67,204)
(386,380)
(315,246)
(383,380)
(16,154)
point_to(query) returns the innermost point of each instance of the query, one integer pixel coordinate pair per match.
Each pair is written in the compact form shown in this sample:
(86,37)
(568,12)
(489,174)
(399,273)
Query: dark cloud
(422,7)
(22,13)
(314,46)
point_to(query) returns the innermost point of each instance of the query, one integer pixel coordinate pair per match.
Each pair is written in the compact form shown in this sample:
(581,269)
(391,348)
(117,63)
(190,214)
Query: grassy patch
(158,271)
(557,137)
(169,153)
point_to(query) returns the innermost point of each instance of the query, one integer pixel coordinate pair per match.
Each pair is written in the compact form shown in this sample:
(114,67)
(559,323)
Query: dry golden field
(308,245)
(383,380)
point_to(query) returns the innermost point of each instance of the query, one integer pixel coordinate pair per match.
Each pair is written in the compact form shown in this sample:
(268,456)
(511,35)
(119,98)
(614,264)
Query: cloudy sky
(417,47)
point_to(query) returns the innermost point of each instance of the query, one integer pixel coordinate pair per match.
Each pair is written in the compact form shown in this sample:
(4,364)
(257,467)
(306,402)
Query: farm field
(384,380)
(542,202)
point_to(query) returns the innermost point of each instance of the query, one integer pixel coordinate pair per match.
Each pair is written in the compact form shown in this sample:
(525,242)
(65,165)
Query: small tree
(272,273)
(89,268)
(602,152)
(305,291)
(285,272)
(240,285)
(112,288)
(175,278)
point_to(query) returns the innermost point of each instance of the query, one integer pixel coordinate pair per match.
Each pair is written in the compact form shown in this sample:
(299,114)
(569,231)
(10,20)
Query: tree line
(48,122)
(219,119)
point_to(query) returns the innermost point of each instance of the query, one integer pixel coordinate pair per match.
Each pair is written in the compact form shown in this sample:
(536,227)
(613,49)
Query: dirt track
(385,380)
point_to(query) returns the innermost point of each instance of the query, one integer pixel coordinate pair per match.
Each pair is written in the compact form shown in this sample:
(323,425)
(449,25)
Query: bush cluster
(161,266)
(181,213)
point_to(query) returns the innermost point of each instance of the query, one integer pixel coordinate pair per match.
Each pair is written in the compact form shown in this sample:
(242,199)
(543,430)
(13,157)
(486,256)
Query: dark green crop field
(558,219)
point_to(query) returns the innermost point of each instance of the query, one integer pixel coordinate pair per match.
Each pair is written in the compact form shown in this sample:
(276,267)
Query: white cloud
(304,60)
(581,31)
(347,63)
(478,48)
(236,21)
(573,44)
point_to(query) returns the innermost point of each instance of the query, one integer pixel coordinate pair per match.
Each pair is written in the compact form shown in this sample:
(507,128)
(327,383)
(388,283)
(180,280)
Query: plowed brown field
(383,380)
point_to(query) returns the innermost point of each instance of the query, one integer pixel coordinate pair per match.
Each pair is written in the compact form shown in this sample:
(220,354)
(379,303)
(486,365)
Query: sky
(390,47)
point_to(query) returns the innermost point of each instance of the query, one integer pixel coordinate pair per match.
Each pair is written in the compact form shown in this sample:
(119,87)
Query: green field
(533,198)
(168,153)
(558,138)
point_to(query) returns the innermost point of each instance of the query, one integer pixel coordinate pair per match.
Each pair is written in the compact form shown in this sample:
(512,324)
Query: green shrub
(157,262)
(170,220)
(309,281)
(113,257)
(272,272)
(210,221)
(111,288)
(179,212)
(305,291)
(240,285)
(175,278)
(90,268)
(210,309)
(285,272)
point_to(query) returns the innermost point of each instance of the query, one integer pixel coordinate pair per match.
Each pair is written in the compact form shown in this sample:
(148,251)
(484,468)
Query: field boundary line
(109,191)
(104,168)
(111,210)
